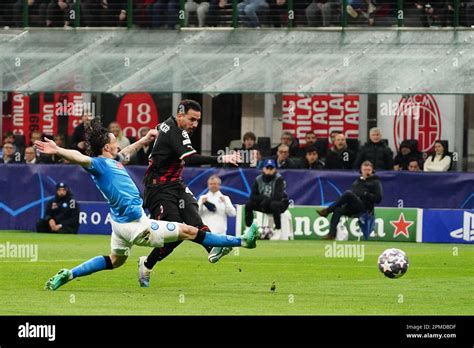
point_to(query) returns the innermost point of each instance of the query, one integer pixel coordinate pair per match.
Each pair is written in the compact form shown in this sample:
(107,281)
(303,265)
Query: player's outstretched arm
(49,147)
(132,149)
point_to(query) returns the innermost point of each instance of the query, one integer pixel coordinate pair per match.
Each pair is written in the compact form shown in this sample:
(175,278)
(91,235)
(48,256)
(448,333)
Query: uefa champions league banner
(26,189)
(424,117)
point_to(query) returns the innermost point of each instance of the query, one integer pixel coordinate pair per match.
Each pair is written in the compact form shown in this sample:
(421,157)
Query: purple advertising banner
(25,189)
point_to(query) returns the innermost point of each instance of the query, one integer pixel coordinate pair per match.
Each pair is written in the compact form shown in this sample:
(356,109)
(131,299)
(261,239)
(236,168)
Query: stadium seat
(235,144)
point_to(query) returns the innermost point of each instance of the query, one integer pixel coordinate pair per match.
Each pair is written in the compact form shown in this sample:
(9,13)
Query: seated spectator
(59,139)
(318,13)
(414,165)
(340,157)
(375,151)
(439,161)
(332,136)
(141,157)
(268,196)
(405,154)
(30,156)
(9,155)
(248,9)
(282,161)
(78,140)
(312,160)
(207,11)
(310,140)
(62,213)
(277,13)
(165,14)
(248,151)
(288,139)
(36,135)
(57,13)
(9,138)
(361,9)
(104,13)
(122,140)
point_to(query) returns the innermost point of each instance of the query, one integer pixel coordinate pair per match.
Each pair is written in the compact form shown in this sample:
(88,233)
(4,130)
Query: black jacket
(272,188)
(404,160)
(379,154)
(340,160)
(368,190)
(316,165)
(64,210)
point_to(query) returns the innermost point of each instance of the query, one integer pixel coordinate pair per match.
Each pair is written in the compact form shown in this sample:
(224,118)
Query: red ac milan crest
(418,117)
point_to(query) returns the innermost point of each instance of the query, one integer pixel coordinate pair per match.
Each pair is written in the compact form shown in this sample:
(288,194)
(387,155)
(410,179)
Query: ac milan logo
(417,117)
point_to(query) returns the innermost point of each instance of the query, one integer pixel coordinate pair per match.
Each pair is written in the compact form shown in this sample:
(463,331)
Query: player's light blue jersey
(118,189)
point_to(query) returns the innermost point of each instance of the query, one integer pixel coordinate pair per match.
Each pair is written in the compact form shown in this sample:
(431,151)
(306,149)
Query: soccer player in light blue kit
(130,225)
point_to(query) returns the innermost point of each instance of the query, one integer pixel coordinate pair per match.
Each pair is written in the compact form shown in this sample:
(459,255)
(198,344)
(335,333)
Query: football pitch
(307,281)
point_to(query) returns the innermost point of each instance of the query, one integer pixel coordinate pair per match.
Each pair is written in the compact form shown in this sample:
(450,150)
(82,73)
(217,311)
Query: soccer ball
(393,263)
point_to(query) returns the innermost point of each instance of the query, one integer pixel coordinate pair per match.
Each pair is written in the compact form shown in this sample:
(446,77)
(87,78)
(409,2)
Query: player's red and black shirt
(166,160)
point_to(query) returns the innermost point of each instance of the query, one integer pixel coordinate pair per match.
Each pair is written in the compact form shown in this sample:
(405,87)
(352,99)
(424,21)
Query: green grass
(437,283)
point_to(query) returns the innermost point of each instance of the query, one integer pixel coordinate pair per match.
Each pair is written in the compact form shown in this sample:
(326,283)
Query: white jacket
(217,221)
(438,165)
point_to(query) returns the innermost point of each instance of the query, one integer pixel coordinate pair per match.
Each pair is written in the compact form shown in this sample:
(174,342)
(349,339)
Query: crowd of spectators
(251,13)
(315,154)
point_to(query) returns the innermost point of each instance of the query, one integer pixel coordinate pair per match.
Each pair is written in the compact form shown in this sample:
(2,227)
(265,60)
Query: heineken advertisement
(391,224)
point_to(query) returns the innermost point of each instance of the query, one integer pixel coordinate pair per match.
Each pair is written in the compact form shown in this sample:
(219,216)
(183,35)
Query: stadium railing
(337,13)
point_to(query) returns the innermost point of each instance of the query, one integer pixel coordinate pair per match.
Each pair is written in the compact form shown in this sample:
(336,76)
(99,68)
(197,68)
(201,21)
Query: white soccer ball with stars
(393,263)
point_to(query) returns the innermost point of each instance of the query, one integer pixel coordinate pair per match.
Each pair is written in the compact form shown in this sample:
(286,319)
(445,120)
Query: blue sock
(215,240)
(96,264)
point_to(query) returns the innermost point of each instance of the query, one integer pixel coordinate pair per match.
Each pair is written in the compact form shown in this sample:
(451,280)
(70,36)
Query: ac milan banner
(424,117)
(321,114)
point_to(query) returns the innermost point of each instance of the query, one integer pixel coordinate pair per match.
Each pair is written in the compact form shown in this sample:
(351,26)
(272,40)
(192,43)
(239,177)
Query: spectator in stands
(282,161)
(414,165)
(215,207)
(57,13)
(36,135)
(268,195)
(104,13)
(318,13)
(340,157)
(207,11)
(288,139)
(405,154)
(9,138)
(277,12)
(30,156)
(375,151)
(78,141)
(258,161)
(365,192)
(248,9)
(248,151)
(312,160)
(141,157)
(9,155)
(361,9)
(310,141)
(439,161)
(62,213)
(165,14)
(122,140)
(59,139)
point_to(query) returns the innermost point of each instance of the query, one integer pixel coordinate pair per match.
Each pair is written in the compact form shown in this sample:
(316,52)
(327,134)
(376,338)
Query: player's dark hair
(188,104)
(96,137)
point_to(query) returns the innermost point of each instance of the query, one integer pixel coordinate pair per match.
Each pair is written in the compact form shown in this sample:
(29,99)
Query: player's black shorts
(172,202)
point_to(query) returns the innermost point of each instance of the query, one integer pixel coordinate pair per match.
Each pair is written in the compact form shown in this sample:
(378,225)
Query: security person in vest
(268,195)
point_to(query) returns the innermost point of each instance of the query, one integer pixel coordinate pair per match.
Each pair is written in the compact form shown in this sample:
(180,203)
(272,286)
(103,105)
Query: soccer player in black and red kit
(166,195)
